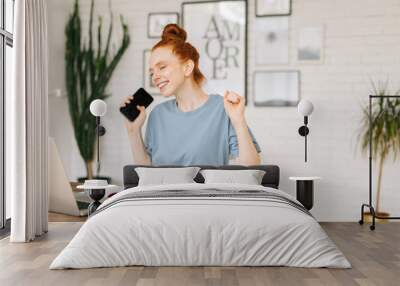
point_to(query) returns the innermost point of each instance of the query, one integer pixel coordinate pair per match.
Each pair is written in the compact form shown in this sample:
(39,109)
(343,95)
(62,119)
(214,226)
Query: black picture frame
(245,36)
(147,83)
(157,35)
(272,42)
(288,13)
(277,103)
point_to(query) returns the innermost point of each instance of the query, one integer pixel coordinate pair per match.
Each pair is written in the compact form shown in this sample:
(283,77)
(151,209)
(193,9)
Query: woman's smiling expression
(166,70)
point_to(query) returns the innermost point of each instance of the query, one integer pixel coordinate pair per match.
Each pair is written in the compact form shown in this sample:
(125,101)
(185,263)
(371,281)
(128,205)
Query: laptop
(62,198)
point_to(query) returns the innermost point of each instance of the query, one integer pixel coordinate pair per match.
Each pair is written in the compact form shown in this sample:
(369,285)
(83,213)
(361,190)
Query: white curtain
(27,123)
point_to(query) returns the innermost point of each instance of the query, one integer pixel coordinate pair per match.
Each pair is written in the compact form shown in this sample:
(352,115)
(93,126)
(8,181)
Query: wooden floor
(375,257)
(56,217)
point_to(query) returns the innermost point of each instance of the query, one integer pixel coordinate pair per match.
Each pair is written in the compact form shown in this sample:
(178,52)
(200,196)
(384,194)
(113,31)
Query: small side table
(96,193)
(305,190)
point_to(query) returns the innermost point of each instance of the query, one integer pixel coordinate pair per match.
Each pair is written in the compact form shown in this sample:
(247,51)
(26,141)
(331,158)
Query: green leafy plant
(88,72)
(385,130)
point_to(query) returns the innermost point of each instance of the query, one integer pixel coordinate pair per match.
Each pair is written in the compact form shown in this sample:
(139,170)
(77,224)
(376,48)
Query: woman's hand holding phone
(135,126)
(133,108)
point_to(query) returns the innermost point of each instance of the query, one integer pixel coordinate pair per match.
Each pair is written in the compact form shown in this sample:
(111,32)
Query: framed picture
(273,8)
(310,45)
(157,21)
(272,41)
(276,88)
(218,30)
(147,82)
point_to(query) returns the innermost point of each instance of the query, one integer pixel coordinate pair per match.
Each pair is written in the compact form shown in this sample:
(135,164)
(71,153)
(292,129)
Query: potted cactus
(87,73)
(385,134)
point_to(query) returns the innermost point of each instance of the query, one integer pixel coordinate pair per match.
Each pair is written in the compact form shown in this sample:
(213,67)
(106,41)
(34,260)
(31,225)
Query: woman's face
(166,71)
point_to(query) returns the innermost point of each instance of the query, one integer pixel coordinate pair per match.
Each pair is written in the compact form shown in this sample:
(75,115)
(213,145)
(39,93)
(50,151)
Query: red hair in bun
(175,37)
(173,32)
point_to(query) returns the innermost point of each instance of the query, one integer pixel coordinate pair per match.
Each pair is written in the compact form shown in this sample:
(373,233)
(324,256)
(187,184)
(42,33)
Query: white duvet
(200,231)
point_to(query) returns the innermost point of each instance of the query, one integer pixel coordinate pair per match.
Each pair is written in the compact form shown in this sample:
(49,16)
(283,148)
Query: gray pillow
(249,177)
(162,176)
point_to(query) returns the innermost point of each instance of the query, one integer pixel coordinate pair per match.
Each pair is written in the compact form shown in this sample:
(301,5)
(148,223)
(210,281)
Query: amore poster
(217,30)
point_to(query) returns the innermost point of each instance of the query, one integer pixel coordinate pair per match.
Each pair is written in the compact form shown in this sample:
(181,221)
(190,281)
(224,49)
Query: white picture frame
(276,88)
(310,45)
(157,21)
(218,30)
(273,8)
(147,81)
(272,40)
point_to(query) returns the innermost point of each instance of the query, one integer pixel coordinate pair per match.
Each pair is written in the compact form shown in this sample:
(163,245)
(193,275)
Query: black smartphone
(140,98)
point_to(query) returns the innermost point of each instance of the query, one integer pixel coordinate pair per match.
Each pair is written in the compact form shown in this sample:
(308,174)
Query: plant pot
(81,180)
(367,217)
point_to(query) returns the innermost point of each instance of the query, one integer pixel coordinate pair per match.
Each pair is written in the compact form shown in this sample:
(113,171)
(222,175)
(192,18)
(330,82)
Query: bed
(199,224)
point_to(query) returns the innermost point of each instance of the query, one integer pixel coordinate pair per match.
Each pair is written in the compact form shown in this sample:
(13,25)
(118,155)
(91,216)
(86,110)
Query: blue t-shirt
(204,136)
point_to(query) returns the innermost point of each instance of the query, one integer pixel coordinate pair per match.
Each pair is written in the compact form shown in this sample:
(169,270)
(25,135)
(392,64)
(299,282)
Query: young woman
(194,128)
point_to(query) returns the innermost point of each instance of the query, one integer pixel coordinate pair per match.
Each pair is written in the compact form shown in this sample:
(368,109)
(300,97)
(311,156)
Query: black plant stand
(369,205)
(96,195)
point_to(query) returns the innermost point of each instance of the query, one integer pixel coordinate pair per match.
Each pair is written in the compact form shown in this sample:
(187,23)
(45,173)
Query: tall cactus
(87,73)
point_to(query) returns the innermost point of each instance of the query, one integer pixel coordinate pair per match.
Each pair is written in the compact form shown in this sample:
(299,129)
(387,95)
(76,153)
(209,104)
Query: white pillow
(162,176)
(249,177)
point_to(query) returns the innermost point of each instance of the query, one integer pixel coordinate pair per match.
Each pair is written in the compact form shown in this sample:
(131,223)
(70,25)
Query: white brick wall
(362,41)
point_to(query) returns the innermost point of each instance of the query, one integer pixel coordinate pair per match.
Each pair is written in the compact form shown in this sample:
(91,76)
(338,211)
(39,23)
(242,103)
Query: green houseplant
(87,73)
(385,130)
